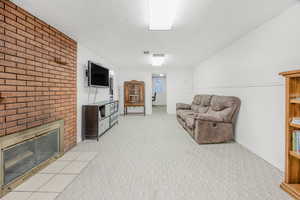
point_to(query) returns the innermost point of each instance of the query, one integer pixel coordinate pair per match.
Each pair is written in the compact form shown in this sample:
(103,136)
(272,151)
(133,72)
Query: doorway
(159,93)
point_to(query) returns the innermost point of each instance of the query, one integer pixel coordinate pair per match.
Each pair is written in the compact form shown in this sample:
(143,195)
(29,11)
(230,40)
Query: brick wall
(36,89)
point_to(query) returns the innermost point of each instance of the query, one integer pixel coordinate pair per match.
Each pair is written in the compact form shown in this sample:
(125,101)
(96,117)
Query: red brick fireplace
(37,74)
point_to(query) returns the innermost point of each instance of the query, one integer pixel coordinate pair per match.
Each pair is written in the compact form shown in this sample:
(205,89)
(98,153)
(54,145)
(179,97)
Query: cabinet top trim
(290,73)
(102,103)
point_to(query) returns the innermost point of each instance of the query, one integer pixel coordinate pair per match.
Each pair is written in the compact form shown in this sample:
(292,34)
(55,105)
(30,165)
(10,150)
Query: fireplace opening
(23,157)
(23,154)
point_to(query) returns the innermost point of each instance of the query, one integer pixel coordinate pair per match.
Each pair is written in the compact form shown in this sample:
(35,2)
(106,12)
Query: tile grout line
(61,169)
(76,176)
(56,174)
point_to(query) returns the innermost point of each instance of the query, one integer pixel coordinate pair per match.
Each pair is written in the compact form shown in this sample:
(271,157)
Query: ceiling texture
(117,30)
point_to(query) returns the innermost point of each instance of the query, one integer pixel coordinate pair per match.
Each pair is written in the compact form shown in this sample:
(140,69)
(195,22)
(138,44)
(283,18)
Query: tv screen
(98,75)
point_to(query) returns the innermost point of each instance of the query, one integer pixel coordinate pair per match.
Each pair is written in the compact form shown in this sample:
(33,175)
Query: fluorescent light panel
(158,59)
(162,13)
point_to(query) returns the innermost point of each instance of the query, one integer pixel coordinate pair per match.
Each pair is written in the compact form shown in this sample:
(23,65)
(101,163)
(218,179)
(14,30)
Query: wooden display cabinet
(134,95)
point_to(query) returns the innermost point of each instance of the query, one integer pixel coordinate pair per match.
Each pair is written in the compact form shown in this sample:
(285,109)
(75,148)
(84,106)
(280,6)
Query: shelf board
(295,101)
(129,104)
(292,189)
(295,154)
(295,125)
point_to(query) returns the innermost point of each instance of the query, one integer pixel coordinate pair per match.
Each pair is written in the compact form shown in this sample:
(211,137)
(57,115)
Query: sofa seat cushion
(183,106)
(184,114)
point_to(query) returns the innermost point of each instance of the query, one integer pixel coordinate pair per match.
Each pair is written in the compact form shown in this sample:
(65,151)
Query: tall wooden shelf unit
(291,183)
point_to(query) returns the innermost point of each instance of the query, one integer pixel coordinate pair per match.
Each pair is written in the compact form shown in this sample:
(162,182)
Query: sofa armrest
(208,117)
(183,106)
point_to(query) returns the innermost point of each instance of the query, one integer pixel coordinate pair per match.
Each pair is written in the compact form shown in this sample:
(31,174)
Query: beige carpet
(153,158)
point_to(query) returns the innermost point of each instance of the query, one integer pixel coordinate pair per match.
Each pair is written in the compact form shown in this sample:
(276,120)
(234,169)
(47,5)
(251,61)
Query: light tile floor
(74,167)
(55,168)
(34,183)
(58,183)
(54,179)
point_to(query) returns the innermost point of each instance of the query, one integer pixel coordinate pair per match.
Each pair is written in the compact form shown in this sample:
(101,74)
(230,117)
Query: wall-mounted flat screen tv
(98,75)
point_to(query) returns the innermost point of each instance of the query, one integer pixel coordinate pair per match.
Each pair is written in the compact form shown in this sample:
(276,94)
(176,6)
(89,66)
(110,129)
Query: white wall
(179,85)
(249,69)
(161,95)
(179,88)
(86,95)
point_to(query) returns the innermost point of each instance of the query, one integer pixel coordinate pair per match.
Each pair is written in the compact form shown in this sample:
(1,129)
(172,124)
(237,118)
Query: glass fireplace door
(24,156)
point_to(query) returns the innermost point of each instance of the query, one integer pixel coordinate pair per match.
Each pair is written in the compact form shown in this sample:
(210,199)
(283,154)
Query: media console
(98,118)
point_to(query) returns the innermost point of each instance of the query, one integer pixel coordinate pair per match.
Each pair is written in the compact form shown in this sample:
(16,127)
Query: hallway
(159,110)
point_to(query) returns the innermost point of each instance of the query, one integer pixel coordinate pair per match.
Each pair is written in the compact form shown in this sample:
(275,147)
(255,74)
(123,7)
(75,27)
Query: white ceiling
(117,30)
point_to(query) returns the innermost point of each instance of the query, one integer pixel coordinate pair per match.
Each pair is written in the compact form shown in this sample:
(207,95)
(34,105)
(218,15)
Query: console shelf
(98,118)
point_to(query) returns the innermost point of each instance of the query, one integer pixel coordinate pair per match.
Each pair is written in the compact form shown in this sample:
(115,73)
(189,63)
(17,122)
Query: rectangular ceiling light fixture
(162,14)
(158,59)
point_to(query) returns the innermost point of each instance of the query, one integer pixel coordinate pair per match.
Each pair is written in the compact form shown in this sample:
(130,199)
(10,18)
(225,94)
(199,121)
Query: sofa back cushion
(199,108)
(201,103)
(224,107)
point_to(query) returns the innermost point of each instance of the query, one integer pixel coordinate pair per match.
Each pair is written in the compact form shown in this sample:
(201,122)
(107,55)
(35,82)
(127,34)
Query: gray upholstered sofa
(210,118)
